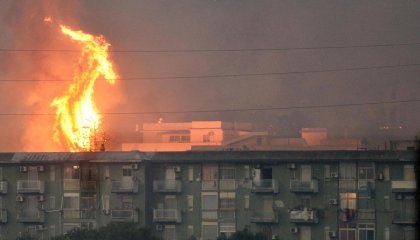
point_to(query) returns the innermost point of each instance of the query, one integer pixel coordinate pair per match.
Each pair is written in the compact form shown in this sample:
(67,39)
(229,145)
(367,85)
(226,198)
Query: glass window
(169,232)
(209,172)
(366,231)
(70,202)
(209,231)
(227,173)
(347,231)
(72,172)
(127,172)
(348,200)
(209,201)
(409,174)
(347,171)
(227,200)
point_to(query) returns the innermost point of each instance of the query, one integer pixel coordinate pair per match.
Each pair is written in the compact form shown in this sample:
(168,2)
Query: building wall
(206,194)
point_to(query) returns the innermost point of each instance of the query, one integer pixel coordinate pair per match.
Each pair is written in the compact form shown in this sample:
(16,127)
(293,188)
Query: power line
(219,50)
(235,109)
(230,75)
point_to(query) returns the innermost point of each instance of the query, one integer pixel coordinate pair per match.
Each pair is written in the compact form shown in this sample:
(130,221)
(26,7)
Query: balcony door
(305,173)
(127,177)
(305,233)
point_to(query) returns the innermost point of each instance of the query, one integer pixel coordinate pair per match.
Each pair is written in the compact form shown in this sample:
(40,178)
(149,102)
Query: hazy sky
(217,24)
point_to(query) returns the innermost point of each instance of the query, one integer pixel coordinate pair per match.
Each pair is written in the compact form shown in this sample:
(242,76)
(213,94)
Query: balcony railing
(264,217)
(3,216)
(30,216)
(124,215)
(3,187)
(404,217)
(404,186)
(79,214)
(347,185)
(227,184)
(303,216)
(124,186)
(209,185)
(167,215)
(30,186)
(264,186)
(167,186)
(299,186)
(88,186)
(71,184)
(366,214)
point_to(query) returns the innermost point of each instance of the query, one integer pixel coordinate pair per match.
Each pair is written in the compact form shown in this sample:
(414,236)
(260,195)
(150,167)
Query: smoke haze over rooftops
(182,25)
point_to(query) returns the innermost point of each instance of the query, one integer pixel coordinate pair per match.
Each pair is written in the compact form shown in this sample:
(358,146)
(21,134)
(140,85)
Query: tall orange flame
(77,117)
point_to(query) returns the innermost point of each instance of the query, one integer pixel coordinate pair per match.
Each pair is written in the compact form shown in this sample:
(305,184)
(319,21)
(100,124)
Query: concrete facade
(299,195)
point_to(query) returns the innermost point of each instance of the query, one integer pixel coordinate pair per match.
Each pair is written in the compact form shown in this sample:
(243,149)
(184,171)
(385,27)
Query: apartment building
(300,195)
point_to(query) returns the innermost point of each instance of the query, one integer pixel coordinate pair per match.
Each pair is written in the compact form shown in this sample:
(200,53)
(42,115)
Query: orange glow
(77,118)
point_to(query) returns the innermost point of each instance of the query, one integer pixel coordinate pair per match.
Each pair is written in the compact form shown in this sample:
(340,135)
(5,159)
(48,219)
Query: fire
(77,118)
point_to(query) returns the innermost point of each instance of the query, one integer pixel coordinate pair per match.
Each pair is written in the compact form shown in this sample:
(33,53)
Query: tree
(113,231)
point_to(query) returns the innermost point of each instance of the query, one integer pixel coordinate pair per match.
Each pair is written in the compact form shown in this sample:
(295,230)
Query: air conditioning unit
(41,198)
(381,176)
(19,198)
(159,227)
(332,234)
(294,230)
(399,196)
(334,175)
(177,169)
(333,201)
(39,227)
(291,166)
(23,168)
(107,211)
(134,166)
(41,168)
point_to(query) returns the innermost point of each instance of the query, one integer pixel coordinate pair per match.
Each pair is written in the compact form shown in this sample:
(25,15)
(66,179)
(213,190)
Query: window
(190,202)
(52,173)
(409,233)
(52,202)
(190,231)
(259,141)
(174,138)
(409,174)
(366,178)
(387,204)
(209,172)
(127,171)
(71,201)
(227,200)
(347,231)
(209,201)
(127,202)
(206,138)
(306,202)
(348,200)
(185,138)
(209,231)
(366,231)
(190,173)
(327,171)
(169,232)
(386,233)
(227,173)
(246,201)
(348,171)
(72,172)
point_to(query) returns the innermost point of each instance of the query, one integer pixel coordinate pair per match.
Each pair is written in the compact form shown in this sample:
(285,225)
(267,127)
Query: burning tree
(77,118)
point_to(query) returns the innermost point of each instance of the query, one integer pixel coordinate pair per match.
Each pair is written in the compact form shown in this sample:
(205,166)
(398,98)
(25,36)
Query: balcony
(166,216)
(366,214)
(30,216)
(3,216)
(79,214)
(303,216)
(124,186)
(403,186)
(30,186)
(3,187)
(264,217)
(71,185)
(88,186)
(130,215)
(167,186)
(299,186)
(264,186)
(404,217)
(209,185)
(347,185)
(227,184)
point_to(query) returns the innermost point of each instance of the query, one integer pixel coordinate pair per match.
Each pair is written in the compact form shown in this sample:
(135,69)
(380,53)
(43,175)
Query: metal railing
(124,186)
(404,217)
(88,186)
(264,217)
(227,184)
(304,186)
(71,184)
(303,216)
(124,215)
(34,216)
(30,186)
(167,215)
(79,214)
(209,185)
(404,186)
(265,185)
(347,185)
(167,186)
